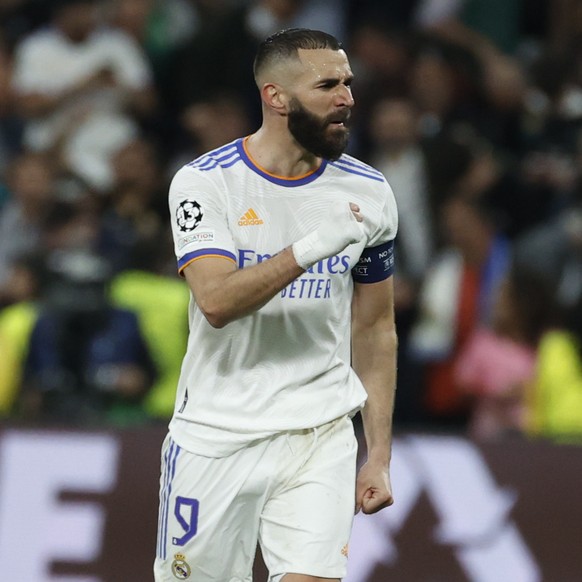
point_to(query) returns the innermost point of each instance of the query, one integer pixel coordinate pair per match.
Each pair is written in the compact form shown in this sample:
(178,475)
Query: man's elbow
(216,322)
(214,313)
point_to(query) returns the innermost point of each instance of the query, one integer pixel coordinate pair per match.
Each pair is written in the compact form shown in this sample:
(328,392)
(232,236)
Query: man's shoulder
(223,157)
(209,168)
(355,168)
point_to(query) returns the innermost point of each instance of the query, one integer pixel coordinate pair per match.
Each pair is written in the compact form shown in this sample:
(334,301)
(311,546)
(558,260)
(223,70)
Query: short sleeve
(198,219)
(385,224)
(376,263)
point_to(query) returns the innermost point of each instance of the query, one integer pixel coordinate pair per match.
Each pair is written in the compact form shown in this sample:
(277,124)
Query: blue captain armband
(375,264)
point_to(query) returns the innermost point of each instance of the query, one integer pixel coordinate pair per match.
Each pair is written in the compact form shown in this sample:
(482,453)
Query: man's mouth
(339,121)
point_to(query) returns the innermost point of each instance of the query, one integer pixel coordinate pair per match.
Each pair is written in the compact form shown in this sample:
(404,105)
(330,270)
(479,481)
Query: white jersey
(287,365)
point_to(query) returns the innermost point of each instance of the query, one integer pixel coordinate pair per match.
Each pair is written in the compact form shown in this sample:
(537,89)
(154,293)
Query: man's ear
(274,96)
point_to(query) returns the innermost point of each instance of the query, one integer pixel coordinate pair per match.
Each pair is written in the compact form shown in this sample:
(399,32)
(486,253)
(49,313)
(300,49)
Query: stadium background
(472,109)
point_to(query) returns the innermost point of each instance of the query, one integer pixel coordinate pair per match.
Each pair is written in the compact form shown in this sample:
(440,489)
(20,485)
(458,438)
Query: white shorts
(294,493)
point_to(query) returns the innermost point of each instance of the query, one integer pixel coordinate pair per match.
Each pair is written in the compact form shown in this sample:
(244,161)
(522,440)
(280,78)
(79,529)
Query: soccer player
(287,246)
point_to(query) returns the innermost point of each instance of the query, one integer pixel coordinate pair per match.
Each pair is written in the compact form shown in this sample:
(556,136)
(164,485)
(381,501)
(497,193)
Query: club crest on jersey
(180,568)
(188,215)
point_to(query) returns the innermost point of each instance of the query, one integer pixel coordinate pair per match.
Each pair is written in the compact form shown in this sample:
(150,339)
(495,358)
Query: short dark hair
(285,44)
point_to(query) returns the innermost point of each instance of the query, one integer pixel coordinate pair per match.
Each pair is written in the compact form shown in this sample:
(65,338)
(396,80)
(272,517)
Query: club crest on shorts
(188,215)
(180,568)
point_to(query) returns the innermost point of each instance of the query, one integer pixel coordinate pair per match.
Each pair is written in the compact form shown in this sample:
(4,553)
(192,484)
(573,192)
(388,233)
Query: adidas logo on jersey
(250,218)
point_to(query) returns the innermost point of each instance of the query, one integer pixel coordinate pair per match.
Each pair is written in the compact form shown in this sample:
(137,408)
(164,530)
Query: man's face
(321,104)
(77,20)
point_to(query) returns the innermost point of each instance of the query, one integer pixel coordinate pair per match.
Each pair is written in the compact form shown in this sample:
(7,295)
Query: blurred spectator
(554,250)
(208,124)
(556,398)
(31,182)
(498,362)
(73,220)
(22,284)
(79,87)
(433,91)
(87,360)
(159,26)
(135,211)
(381,60)
(470,22)
(444,84)
(16,323)
(10,125)
(504,114)
(264,17)
(456,296)
(159,298)
(396,151)
(210,62)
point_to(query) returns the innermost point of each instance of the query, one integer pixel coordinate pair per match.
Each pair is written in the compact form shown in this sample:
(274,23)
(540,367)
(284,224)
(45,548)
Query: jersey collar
(280,180)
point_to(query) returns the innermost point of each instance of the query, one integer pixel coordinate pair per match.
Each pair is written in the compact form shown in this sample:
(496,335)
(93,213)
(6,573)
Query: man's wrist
(304,250)
(379,455)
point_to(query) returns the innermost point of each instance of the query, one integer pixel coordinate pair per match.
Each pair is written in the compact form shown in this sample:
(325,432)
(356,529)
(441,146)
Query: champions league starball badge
(180,568)
(188,215)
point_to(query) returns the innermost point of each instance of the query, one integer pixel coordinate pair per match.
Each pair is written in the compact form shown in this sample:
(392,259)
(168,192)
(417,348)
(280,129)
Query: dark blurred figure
(31,182)
(456,296)
(134,211)
(152,290)
(554,250)
(87,360)
(498,363)
(158,26)
(381,60)
(397,152)
(207,124)
(16,322)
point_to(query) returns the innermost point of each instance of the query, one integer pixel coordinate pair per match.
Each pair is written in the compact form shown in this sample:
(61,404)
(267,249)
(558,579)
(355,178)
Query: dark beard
(311,131)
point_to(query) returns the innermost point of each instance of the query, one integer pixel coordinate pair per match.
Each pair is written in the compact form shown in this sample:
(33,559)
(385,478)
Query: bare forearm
(374,360)
(229,296)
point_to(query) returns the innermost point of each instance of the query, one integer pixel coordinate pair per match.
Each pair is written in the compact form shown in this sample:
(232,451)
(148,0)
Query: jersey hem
(209,447)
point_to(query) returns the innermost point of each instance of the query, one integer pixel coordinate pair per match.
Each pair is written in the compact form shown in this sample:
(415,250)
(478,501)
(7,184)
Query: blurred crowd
(471,108)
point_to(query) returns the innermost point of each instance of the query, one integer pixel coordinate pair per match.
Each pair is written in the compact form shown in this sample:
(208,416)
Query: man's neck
(280,154)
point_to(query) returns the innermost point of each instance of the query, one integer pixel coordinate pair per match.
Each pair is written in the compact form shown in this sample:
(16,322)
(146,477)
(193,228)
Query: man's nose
(344,96)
